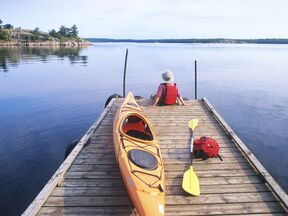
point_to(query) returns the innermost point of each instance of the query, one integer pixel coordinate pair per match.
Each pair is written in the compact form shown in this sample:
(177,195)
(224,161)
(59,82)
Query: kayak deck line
(89,182)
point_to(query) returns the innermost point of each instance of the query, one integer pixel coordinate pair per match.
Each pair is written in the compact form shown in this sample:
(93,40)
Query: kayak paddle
(190,181)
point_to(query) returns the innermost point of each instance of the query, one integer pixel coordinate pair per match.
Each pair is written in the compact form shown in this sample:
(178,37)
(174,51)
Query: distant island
(10,36)
(211,40)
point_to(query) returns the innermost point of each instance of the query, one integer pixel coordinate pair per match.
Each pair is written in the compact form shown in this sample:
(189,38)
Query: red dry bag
(206,147)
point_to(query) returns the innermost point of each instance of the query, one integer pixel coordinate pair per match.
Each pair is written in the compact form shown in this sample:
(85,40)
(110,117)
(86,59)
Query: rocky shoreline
(45,44)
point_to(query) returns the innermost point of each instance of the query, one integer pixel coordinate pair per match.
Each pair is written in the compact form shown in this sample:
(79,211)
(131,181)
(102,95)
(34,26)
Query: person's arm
(158,95)
(156,99)
(179,97)
(181,100)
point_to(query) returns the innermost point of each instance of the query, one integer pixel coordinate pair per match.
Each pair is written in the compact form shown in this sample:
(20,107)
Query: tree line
(8,33)
(65,32)
(6,26)
(4,34)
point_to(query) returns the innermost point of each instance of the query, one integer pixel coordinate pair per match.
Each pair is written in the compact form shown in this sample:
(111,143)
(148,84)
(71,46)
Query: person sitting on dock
(168,92)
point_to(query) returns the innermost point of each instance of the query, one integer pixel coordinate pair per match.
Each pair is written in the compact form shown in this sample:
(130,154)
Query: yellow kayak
(138,155)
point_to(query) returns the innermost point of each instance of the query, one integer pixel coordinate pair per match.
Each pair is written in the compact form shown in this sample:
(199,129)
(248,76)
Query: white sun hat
(167,76)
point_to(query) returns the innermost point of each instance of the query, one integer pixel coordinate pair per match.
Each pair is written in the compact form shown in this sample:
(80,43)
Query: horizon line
(210,38)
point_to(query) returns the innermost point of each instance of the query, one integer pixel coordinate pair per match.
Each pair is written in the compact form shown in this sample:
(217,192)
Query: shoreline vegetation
(196,40)
(10,37)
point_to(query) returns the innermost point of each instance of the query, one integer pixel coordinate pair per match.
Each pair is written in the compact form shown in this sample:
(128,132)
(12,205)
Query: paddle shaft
(191,148)
(190,182)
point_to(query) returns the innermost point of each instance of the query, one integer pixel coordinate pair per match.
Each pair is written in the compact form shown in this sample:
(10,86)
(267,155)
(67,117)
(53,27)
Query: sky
(143,19)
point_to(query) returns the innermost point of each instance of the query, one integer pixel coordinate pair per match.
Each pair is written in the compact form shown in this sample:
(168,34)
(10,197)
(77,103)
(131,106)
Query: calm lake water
(50,97)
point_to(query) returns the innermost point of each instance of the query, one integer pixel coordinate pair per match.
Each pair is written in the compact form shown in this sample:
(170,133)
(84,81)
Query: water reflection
(11,56)
(42,113)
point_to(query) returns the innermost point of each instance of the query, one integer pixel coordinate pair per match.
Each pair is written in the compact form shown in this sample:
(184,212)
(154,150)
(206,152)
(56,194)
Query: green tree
(63,31)
(36,34)
(1,23)
(46,37)
(7,26)
(54,34)
(74,31)
(36,30)
(4,34)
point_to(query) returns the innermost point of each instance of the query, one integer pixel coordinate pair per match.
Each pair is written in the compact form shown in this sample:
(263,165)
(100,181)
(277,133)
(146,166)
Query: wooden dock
(89,182)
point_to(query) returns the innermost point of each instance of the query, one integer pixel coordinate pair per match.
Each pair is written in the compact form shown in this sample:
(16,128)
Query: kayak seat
(143,159)
(133,124)
(139,135)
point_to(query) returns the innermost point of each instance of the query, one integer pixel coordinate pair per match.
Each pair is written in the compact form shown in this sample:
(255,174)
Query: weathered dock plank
(170,199)
(91,183)
(173,190)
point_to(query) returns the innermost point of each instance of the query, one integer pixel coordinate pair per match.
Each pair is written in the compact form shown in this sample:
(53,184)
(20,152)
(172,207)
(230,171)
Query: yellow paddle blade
(190,182)
(193,123)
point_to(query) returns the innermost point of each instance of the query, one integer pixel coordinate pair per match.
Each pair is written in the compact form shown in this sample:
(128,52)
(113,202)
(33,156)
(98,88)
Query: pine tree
(74,31)
(63,31)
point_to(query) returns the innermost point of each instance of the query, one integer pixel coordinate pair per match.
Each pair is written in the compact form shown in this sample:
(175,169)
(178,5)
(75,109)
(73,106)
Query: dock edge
(276,188)
(40,199)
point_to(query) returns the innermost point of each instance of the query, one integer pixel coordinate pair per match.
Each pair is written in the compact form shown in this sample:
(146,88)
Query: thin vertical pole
(124,75)
(195,80)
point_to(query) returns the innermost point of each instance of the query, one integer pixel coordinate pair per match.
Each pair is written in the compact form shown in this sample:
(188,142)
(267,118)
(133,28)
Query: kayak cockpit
(136,127)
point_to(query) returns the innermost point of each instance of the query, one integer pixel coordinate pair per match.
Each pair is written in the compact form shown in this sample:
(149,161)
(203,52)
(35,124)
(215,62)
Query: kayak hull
(139,159)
